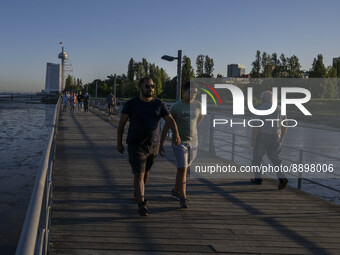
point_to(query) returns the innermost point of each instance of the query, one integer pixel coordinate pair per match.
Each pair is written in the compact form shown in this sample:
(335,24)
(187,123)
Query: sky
(100,36)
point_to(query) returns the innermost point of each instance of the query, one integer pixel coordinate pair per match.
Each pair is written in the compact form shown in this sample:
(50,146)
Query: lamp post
(179,71)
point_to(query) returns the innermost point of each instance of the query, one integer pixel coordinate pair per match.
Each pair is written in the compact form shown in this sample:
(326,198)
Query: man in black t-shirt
(143,138)
(80,99)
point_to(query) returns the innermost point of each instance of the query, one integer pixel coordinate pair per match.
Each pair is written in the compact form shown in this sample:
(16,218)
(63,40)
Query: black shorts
(142,157)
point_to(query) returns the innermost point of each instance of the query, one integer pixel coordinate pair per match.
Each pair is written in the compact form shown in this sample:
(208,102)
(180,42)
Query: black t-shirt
(109,99)
(144,120)
(80,98)
(86,98)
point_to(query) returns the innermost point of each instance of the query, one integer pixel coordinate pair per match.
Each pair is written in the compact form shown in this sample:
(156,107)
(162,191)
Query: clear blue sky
(101,36)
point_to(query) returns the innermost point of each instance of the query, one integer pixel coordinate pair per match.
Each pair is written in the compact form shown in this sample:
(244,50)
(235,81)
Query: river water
(24,131)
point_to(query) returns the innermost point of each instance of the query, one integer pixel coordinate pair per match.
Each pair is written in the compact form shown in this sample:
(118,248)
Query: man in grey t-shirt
(187,114)
(268,139)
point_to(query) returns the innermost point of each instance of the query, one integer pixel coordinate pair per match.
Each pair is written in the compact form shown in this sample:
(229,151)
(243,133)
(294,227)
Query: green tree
(139,70)
(283,66)
(294,67)
(131,70)
(208,67)
(187,70)
(170,88)
(256,70)
(145,66)
(153,72)
(200,66)
(164,76)
(318,68)
(69,85)
(276,65)
(158,81)
(266,64)
(331,72)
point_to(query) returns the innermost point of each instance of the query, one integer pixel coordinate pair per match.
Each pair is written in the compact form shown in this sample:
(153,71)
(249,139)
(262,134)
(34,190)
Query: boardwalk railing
(233,145)
(34,236)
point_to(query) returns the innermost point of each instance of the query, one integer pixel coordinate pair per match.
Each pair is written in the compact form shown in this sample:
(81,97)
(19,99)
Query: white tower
(63,56)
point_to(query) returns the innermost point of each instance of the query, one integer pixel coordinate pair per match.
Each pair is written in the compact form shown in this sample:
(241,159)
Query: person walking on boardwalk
(80,99)
(86,101)
(65,100)
(144,113)
(187,114)
(268,139)
(110,102)
(72,101)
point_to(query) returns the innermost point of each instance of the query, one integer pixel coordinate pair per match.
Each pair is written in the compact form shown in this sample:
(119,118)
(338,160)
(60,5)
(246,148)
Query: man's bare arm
(123,119)
(172,125)
(163,136)
(199,119)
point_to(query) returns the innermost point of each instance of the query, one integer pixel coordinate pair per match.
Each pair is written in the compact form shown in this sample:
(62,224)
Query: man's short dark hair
(187,86)
(143,81)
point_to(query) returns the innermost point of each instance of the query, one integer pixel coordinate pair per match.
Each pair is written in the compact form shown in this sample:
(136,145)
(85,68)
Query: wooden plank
(93,210)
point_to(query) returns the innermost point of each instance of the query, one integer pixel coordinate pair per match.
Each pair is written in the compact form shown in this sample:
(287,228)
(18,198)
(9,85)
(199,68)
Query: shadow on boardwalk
(94,211)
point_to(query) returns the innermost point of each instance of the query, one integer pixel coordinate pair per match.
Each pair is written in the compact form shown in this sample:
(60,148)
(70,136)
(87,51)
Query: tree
(170,88)
(276,65)
(153,72)
(294,66)
(138,67)
(187,70)
(208,67)
(256,70)
(131,70)
(158,82)
(318,68)
(69,85)
(145,66)
(331,72)
(283,66)
(219,75)
(266,64)
(200,66)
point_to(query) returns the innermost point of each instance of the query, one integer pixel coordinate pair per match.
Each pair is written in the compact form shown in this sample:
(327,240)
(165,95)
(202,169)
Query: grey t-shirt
(186,116)
(271,127)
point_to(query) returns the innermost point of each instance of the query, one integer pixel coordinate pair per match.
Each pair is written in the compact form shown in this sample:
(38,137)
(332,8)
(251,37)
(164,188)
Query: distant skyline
(101,36)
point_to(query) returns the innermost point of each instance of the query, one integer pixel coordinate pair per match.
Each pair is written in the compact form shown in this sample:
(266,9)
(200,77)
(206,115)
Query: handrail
(301,151)
(38,207)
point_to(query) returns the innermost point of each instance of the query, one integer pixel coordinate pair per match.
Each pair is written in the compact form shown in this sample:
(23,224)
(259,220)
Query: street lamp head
(168,58)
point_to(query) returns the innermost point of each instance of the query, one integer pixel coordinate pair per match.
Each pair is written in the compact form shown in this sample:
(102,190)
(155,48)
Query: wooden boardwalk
(94,211)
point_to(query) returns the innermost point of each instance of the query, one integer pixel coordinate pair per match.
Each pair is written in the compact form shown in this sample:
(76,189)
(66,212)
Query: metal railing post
(233,148)
(300,174)
(211,137)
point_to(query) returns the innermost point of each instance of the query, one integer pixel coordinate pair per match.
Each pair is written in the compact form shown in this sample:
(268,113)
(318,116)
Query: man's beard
(146,94)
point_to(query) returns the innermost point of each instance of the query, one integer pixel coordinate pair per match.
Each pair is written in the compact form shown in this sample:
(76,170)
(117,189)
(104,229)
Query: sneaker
(143,210)
(135,198)
(256,181)
(176,195)
(183,203)
(282,184)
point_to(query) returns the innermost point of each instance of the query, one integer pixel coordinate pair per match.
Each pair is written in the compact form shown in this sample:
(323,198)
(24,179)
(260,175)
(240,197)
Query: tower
(63,56)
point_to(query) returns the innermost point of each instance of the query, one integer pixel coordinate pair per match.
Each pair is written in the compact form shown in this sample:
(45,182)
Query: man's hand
(161,150)
(120,148)
(176,139)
